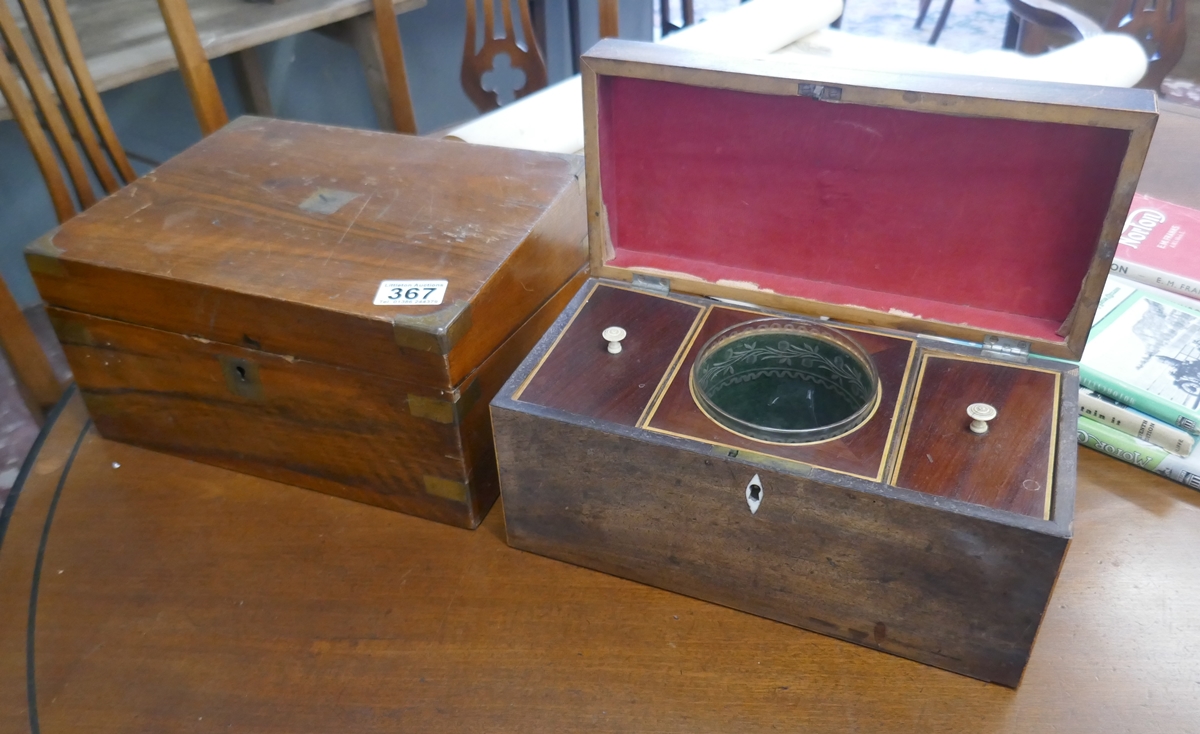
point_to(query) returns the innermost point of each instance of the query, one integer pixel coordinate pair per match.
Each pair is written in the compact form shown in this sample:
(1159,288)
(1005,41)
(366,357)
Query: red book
(1160,246)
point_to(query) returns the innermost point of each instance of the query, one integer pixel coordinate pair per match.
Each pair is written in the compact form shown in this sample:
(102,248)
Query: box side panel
(551,254)
(334,430)
(957,592)
(278,327)
(480,387)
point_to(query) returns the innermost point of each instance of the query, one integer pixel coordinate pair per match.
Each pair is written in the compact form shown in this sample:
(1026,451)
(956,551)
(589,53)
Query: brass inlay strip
(673,369)
(1053,443)
(447,489)
(557,339)
(596,284)
(438,411)
(645,423)
(680,353)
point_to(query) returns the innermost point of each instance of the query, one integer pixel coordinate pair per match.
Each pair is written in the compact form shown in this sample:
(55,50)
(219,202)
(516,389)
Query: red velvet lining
(985,221)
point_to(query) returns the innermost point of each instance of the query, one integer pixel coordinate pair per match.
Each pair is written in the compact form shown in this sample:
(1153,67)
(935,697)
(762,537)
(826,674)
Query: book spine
(1129,421)
(1160,279)
(1138,399)
(1108,440)
(1142,454)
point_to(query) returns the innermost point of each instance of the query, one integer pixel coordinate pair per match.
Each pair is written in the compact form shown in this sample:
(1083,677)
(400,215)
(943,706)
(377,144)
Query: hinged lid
(277,236)
(956,206)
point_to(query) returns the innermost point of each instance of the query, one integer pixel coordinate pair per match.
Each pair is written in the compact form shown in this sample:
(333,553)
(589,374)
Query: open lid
(912,202)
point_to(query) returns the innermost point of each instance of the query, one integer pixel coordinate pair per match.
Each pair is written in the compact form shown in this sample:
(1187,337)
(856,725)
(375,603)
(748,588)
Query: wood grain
(202,308)
(384,442)
(862,452)
(274,609)
(19,347)
(193,66)
(87,86)
(610,22)
(280,610)
(395,74)
(581,377)
(43,154)
(126,40)
(42,99)
(1011,466)
(862,566)
(218,243)
(68,91)
(313,425)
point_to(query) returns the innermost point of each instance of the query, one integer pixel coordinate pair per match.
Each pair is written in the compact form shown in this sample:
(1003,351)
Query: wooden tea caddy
(223,307)
(961,239)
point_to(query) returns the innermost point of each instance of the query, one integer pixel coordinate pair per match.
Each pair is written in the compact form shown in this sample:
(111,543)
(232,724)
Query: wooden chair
(193,65)
(89,126)
(688,13)
(36,109)
(522,53)
(1159,25)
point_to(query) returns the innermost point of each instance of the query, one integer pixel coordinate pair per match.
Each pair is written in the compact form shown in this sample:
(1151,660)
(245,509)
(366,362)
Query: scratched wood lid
(278,236)
(950,205)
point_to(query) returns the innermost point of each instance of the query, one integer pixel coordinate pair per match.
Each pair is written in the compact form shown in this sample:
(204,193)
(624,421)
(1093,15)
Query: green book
(1144,351)
(1142,454)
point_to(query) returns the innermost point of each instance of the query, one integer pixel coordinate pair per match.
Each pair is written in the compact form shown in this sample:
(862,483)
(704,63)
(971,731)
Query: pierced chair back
(522,54)
(1160,26)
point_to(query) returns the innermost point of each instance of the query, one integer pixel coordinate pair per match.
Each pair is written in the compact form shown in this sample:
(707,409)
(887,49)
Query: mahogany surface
(942,457)
(860,452)
(172,596)
(223,307)
(193,598)
(580,376)
(272,223)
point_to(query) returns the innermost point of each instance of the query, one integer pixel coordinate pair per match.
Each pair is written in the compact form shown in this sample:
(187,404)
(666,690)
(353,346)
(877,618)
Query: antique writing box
(225,307)
(905,209)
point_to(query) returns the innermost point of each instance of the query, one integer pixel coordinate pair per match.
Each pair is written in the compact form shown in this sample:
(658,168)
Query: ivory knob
(613,335)
(980,414)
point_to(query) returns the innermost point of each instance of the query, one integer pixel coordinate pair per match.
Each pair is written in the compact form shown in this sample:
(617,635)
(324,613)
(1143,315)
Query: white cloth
(1109,59)
(552,119)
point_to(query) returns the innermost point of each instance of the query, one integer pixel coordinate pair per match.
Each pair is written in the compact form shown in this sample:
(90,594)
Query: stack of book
(1140,400)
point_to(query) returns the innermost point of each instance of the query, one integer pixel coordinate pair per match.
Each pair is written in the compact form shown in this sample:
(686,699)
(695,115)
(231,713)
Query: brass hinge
(1002,347)
(651,284)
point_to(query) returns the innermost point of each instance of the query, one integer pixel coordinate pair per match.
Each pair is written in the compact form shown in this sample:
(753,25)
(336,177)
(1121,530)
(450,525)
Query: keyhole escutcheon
(754,494)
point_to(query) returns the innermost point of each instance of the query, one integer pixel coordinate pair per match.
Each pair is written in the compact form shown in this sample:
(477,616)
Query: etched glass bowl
(785,381)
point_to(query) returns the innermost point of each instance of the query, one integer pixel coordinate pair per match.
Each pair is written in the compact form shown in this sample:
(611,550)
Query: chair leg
(922,11)
(1012,28)
(387,35)
(251,80)
(35,376)
(941,22)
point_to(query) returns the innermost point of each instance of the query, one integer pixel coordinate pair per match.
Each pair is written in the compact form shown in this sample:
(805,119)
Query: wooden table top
(126,40)
(139,592)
